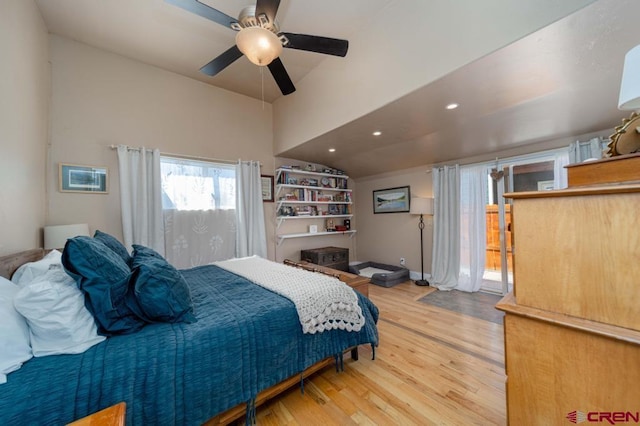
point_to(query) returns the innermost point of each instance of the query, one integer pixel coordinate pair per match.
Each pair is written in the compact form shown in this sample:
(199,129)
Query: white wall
(407,46)
(387,237)
(24,121)
(100,99)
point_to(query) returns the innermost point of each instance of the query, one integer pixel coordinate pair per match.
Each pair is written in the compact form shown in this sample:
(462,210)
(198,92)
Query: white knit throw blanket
(322,302)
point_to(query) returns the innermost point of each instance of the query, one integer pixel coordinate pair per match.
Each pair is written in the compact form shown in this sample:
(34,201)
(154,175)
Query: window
(199,207)
(197,185)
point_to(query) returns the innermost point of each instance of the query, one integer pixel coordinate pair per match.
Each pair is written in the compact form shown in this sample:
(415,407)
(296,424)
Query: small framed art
(267,188)
(77,178)
(391,200)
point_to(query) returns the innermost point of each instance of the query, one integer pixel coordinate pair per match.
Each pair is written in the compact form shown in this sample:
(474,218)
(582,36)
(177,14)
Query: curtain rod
(185,157)
(440,167)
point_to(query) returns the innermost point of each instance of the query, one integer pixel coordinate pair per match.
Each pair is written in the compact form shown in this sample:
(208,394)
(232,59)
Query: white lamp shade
(630,87)
(421,206)
(259,45)
(55,237)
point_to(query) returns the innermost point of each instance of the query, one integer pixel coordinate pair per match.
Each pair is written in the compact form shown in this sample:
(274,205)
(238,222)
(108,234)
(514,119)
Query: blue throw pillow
(115,245)
(103,276)
(161,291)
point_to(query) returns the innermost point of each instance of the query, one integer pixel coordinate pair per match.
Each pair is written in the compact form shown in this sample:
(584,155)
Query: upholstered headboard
(11,262)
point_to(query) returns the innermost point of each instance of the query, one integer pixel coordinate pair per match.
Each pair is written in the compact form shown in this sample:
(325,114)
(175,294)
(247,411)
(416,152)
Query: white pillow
(58,321)
(32,270)
(14,332)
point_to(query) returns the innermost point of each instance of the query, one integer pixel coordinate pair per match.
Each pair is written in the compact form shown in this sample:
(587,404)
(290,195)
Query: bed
(245,341)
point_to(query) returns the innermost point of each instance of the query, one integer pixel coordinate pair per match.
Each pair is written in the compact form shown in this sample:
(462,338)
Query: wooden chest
(332,257)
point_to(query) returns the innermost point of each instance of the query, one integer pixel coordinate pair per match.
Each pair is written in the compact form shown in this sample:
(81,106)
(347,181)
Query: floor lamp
(421,206)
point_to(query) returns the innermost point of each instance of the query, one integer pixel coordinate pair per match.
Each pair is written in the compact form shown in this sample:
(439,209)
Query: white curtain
(580,151)
(199,201)
(445,263)
(251,236)
(473,238)
(141,197)
(559,171)
(199,237)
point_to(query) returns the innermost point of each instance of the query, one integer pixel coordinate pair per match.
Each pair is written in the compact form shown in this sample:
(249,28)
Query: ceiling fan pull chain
(262,84)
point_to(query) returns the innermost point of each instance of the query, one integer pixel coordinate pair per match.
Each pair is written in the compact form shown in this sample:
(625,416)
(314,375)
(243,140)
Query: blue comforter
(245,340)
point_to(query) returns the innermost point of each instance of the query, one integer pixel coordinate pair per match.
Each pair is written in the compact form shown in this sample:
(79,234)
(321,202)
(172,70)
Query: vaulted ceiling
(557,82)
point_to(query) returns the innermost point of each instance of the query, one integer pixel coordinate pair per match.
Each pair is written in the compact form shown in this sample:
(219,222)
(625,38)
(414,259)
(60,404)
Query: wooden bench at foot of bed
(356,282)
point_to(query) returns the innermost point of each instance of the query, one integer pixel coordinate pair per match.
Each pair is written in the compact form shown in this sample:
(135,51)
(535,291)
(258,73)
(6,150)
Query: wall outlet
(402,261)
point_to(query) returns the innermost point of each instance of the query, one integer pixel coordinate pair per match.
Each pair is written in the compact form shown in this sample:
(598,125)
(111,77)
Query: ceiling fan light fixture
(630,86)
(259,45)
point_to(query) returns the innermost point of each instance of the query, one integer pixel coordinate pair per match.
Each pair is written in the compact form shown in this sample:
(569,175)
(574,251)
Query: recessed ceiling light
(452,106)
(332,150)
(377,133)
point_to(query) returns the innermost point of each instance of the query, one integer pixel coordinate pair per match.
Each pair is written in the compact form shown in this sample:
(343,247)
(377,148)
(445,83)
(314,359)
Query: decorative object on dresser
(626,139)
(391,200)
(310,196)
(421,206)
(572,330)
(56,236)
(630,85)
(332,257)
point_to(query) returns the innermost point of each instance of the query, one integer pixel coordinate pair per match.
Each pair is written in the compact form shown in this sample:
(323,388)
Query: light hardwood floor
(433,367)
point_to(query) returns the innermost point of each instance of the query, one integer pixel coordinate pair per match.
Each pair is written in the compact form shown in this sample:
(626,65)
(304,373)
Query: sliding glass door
(498,274)
(533,173)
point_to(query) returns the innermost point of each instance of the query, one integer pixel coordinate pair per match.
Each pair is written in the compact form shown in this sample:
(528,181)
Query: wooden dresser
(572,324)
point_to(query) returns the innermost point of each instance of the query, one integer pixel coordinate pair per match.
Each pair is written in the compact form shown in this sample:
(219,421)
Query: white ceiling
(164,35)
(559,82)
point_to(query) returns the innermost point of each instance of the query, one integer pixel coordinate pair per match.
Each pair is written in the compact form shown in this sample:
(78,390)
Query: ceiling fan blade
(222,61)
(281,77)
(326,45)
(205,11)
(268,7)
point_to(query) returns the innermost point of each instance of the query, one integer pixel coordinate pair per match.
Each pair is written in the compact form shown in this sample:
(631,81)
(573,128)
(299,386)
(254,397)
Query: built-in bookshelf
(323,199)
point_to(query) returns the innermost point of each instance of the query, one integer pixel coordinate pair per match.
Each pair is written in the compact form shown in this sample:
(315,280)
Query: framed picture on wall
(267,188)
(88,179)
(391,200)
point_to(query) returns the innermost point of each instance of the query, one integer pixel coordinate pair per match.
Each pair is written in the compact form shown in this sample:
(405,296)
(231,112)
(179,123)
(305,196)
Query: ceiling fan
(259,38)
